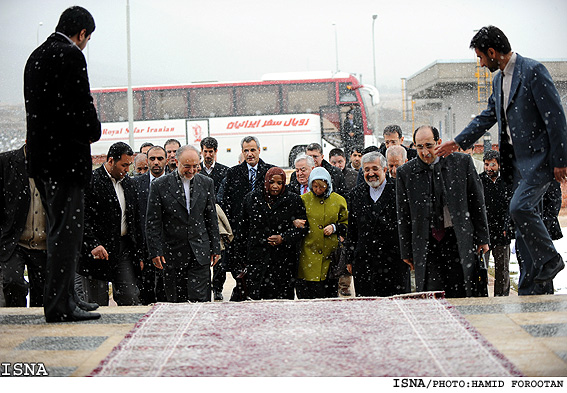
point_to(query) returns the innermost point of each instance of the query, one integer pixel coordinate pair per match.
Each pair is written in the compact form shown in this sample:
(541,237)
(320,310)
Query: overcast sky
(180,41)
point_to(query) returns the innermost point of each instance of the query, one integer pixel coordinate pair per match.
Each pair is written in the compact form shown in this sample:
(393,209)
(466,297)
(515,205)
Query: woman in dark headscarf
(267,241)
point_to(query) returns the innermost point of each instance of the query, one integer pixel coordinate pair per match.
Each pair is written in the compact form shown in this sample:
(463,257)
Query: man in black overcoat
(442,217)
(150,280)
(113,245)
(61,124)
(372,240)
(497,195)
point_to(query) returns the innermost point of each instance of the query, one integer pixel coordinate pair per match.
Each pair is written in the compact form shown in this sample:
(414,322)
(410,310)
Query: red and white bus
(285,112)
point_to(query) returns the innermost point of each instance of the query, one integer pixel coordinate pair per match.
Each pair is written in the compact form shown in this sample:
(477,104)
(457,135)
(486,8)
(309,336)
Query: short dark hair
(491,155)
(73,20)
(491,37)
(370,149)
(117,150)
(393,129)
(209,142)
(337,152)
(156,147)
(167,142)
(357,149)
(314,146)
(433,129)
(145,144)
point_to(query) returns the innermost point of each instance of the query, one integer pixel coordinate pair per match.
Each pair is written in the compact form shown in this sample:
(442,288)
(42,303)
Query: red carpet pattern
(399,336)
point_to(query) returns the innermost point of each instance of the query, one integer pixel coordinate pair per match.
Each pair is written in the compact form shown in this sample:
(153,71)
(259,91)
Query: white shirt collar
(68,39)
(509,69)
(376,193)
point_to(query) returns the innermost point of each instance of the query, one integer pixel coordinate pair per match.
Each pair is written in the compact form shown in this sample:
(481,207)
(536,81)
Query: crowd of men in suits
(155,234)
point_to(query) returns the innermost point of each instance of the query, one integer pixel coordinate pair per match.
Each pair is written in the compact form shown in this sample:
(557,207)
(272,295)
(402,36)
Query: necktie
(252,179)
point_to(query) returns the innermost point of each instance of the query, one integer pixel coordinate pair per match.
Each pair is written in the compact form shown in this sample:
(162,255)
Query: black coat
(103,218)
(497,197)
(175,233)
(236,186)
(270,270)
(61,117)
(372,241)
(465,200)
(14,201)
(218,174)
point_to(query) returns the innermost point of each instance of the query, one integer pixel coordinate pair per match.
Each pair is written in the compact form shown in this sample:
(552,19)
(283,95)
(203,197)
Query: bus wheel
(294,152)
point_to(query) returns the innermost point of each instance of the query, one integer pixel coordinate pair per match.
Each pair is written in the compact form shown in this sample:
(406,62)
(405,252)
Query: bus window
(113,107)
(257,100)
(346,94)
(307,97)
(211,102)
(166,104)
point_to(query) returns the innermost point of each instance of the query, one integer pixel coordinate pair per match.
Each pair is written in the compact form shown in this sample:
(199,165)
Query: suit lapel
(515,78)
(176,189)
(196,190)
(384,199)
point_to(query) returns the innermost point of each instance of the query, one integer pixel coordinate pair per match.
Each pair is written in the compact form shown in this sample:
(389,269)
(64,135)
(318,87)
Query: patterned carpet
(400,336)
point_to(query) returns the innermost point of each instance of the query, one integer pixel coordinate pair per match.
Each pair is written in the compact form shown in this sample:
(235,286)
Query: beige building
(448,94)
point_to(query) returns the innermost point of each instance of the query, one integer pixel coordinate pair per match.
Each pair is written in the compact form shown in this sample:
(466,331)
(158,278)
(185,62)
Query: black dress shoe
(87,306)
(76,315)
(218,296)
(550,269)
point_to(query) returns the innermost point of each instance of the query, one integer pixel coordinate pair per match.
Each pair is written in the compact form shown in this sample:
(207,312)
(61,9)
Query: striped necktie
(252,179)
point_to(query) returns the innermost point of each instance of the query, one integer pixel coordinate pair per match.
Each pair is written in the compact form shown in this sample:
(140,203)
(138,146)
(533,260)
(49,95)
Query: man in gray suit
(182,229)
(533,148)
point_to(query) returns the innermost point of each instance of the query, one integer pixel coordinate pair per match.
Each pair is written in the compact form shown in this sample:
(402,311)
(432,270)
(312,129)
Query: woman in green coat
(327,216)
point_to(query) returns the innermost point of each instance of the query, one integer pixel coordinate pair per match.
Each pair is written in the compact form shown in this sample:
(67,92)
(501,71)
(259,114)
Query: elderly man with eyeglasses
(441,217)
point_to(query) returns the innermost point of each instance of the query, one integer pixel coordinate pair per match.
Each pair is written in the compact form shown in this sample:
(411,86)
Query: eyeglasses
(427,146)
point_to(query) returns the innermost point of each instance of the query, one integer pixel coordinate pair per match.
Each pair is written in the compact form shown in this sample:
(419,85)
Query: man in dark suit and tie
(61,124)
(533,148)
(150,280)
(210,167)
(240,180)
(113,245)
(182,229)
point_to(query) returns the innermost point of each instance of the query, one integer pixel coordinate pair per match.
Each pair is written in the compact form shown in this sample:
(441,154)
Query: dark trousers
(190,282)
(316,289)
(15,286)
(219,273)
(64,208)
(381,278)
(533,241)
(125,292)
(2,298)
(270,282)
(444,271)
(501,269)
(146,282)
